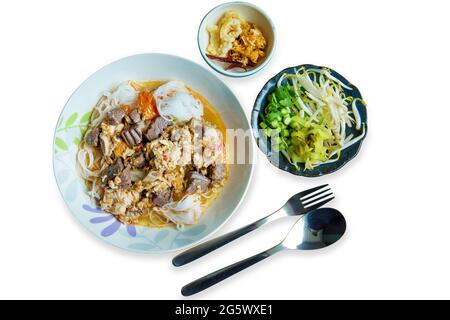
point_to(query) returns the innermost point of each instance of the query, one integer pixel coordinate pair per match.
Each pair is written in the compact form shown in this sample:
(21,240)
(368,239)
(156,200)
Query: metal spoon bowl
(315,230)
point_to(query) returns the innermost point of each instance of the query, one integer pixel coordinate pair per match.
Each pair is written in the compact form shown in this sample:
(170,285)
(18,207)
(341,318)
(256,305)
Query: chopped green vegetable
(309,113)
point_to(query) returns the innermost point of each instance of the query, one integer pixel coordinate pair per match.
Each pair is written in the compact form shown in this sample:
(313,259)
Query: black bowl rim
(255,114)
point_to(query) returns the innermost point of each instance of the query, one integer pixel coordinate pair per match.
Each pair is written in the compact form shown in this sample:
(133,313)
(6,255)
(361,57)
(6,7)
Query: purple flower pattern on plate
(114,224)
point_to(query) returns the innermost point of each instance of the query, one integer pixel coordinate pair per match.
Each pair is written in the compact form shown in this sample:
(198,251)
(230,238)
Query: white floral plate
(73,122)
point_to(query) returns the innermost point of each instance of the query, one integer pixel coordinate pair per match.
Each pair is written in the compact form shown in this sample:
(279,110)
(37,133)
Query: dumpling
(174,102)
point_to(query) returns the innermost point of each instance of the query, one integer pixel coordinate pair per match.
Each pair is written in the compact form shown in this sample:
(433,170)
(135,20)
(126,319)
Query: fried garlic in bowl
(236,39)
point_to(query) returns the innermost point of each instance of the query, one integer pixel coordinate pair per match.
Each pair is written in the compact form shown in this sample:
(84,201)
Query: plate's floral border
(73,122)
(112,224)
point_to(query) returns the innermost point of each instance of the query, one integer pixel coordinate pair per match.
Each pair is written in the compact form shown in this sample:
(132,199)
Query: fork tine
(309,191)
(319,204)
(309,202)
(314,195)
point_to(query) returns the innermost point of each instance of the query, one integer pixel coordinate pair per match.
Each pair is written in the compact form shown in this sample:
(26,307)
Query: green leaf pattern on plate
(71,119)
(86,117)
(73,122)
(61,144)
(76,141)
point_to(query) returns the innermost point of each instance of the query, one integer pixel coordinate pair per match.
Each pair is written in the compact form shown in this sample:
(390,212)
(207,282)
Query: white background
(393,195)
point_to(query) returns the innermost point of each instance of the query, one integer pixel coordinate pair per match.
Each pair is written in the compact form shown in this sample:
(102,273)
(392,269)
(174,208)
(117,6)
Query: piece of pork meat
(156,128)
(91,137)
(197,181)
(132,137)
(125,177)
(115,116)
(162,197)
(112,171)
(139,160)
(135,117)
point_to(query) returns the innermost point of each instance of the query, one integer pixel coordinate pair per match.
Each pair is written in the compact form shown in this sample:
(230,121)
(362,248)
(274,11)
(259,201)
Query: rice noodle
(164,221)
(86,162)
(186,211)
(124,94)
(100,110)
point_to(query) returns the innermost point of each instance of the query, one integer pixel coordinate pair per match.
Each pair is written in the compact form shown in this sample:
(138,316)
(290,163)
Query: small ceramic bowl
(279,160)
(251,13)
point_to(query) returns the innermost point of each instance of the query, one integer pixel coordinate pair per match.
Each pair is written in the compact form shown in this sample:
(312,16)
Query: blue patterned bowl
(280,161)
(73,122)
